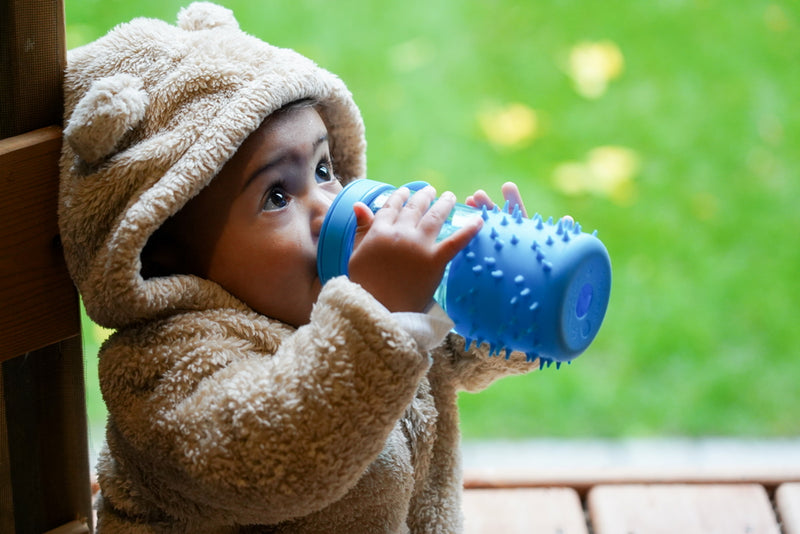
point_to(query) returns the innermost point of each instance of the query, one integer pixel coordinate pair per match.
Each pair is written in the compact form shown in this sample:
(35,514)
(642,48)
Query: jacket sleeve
(473,368)
(252,420)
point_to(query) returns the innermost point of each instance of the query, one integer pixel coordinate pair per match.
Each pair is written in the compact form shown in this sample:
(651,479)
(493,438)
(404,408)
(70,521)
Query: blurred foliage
(671,126)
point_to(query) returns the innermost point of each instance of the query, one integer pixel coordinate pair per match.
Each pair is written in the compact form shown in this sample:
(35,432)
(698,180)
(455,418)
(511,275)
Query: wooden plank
(32,60)
(73,527)
(688,509)
(39,301)
(787,498)
(586,476)
(6,489)
(48,450)
(512,511)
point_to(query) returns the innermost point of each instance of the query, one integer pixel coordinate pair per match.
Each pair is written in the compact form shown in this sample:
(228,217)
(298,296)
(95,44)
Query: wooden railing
(44,470)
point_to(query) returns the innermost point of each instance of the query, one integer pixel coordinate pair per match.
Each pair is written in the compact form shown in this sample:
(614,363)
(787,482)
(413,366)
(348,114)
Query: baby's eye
(324,172)
(277,198)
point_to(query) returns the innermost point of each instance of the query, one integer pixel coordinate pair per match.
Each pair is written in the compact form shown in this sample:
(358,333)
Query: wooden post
(44,466)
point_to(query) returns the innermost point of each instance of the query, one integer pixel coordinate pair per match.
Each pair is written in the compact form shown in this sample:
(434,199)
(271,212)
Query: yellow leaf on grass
(592,65)
(509,126)
(607,171)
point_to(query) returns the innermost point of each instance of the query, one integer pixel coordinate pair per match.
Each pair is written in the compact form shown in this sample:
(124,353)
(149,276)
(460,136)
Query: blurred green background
(671,126)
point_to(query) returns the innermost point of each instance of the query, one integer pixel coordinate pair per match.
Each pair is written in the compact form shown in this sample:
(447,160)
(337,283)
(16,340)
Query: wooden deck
(635,508)
(739,496)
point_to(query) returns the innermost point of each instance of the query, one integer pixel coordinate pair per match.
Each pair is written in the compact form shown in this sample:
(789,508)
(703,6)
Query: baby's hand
(510,194)
(396,257)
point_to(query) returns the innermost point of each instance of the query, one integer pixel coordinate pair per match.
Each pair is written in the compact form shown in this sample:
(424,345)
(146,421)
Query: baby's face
(256,225)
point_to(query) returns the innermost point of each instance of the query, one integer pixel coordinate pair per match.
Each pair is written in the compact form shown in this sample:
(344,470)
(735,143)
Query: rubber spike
(504,221)
(507,207)
(550,221)
(576,229)
(514,239)
(493,234)
(560,227)
(484,213)
(541,363)
(558,366)
(498,244)
(549,241)
(594,233)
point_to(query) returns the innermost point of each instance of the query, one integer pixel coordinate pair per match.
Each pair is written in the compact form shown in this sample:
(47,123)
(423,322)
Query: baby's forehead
(288,135)
(284,130)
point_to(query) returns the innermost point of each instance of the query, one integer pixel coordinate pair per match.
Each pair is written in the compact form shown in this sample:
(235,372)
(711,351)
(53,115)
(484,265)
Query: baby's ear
(110,108)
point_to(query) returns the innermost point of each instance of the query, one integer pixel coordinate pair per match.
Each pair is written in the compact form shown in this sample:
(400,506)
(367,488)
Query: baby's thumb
(364,218)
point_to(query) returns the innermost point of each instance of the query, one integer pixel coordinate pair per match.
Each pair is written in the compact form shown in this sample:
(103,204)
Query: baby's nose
(320,204)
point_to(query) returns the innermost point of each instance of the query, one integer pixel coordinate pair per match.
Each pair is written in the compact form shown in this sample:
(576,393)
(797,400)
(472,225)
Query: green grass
(701,335)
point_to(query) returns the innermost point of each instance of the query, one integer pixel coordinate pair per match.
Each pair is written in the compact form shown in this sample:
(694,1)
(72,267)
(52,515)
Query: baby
(244,396)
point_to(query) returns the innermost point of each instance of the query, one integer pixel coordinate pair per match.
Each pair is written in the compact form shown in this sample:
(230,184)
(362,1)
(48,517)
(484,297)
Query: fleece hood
(152,112)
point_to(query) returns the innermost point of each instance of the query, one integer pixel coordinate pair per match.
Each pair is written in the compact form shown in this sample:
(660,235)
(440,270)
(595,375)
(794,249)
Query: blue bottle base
(539,288)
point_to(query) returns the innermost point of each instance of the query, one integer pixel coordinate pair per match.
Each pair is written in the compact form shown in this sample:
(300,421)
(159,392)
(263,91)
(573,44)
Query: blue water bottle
(535,286)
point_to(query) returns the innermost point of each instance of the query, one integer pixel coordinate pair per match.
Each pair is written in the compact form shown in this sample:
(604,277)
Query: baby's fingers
(417,206)
(512,196)
(364,219)
(455,243)
(394,205)
(479,200)
(434,218)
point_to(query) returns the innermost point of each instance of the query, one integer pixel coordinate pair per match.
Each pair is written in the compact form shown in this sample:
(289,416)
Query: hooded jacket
(221,419)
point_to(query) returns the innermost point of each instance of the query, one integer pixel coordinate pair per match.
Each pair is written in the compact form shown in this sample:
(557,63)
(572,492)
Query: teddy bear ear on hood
(205,16)
(110,108)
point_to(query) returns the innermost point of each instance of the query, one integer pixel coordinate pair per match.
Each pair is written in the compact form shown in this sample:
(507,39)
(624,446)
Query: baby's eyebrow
(322,139)
(283,157)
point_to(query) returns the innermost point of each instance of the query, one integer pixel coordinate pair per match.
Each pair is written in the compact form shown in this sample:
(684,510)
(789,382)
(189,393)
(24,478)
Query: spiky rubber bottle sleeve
(521,284)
